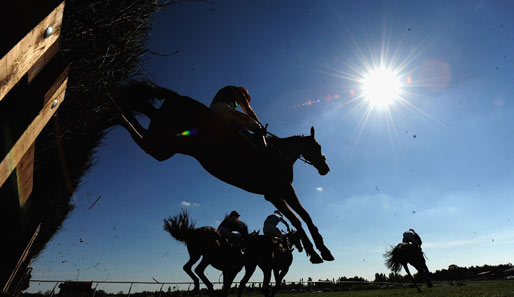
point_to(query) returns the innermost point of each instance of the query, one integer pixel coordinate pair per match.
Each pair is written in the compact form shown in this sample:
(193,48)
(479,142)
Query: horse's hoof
(316,259)
(327,255)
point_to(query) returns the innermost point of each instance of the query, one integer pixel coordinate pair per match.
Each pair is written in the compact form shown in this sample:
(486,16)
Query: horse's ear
(312,131)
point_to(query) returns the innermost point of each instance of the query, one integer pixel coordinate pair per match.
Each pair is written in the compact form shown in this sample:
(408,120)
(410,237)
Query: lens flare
(187,132)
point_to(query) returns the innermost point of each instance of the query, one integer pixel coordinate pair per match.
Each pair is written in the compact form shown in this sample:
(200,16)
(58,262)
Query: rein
(301,158)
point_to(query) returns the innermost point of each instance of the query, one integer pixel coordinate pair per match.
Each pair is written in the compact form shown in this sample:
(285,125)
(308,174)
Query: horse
(206,243)
(184,125)
(406,253)
(269,257)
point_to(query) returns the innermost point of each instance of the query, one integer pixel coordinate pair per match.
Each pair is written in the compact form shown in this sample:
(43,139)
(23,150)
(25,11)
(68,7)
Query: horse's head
(294,239)
(312,154)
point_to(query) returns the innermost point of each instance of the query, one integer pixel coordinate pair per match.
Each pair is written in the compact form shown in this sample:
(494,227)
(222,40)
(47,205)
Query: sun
(381,87)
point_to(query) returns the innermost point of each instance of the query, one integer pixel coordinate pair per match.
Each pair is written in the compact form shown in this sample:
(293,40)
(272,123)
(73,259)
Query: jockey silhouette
(271,222)
(225,103)
(410,236)
(232,230)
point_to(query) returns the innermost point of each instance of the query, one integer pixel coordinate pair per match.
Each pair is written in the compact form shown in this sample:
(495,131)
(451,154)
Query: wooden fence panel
(15,64)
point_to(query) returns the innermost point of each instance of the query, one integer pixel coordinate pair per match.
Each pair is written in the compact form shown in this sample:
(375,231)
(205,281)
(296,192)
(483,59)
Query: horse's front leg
(228,278)
(266,271)
(199,271)
(249,269)
(292,200)
(284,209)
(279,276)
(426,272)
(410,276)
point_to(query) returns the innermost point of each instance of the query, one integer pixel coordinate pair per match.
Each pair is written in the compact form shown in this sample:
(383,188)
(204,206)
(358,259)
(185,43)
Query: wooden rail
(24,55)
(28,57)
(32,87)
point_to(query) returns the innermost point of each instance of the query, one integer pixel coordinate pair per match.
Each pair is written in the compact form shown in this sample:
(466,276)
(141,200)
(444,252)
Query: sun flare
(381,87)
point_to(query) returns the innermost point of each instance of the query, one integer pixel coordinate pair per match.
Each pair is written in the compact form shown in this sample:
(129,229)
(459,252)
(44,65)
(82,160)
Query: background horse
(403,254)
(206,241)
(266,254)
(184,125)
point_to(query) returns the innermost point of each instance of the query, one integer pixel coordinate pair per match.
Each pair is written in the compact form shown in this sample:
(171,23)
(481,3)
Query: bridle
(301,157)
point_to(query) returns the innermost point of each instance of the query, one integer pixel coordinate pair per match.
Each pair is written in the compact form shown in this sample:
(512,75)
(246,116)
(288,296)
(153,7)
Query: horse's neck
(290,147)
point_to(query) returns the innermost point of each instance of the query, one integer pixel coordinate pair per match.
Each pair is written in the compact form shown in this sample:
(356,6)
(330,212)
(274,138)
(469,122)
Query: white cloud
(188,204)
(319,189)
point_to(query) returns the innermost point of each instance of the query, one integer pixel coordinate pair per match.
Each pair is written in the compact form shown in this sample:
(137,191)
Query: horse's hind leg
(187,268)
(291,199)
(410,276)
(199,271)
(282,207)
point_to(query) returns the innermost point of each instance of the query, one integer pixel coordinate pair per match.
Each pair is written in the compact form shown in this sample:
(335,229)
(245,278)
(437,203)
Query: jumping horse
(184,125)
(206,243)
(266,254)
(406,253)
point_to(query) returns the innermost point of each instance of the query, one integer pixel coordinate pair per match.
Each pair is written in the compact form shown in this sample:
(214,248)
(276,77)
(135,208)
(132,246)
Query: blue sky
(439,160)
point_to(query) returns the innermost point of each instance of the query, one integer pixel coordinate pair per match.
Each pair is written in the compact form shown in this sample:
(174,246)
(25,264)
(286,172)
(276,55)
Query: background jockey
(271,222)
(410,236)
(225,103)
(232,228)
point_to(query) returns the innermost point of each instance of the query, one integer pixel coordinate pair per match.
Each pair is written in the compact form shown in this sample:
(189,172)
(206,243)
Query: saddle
(233,245)
(281,245)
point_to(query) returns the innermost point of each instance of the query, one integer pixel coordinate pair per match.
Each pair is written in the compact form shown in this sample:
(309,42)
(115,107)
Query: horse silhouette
(206,243)
(403,254)
(266,254)
(184,125)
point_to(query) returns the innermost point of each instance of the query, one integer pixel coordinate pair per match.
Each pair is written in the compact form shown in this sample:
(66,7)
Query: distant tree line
(455,272)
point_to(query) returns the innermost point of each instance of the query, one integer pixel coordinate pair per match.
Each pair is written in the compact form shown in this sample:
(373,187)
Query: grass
(462,289)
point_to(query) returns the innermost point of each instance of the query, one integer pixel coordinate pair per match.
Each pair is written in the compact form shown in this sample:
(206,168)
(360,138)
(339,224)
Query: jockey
(232,229)
(271,222)
(225,103)
(410,236)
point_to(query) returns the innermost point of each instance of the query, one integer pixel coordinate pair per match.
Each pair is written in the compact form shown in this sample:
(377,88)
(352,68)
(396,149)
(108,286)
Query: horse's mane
(276,143)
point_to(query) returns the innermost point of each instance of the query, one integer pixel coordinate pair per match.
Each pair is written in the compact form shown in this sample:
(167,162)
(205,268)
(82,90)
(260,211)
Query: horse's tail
(393,259)
(179,226)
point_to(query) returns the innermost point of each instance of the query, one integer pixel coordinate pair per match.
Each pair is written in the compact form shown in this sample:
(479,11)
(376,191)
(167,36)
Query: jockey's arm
(245,120)
(248,109)
(285,223)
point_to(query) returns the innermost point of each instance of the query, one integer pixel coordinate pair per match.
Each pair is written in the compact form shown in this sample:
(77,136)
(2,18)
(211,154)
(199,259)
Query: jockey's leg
(257,141)
(291,199)
(284,209)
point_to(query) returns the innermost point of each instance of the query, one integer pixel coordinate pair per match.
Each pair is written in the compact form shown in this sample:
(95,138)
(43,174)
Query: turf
(460,289)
